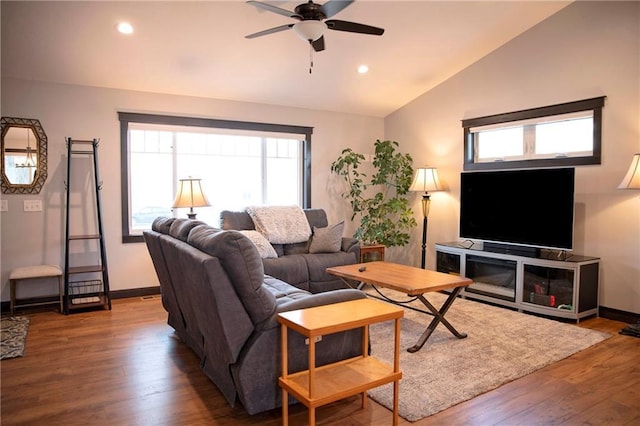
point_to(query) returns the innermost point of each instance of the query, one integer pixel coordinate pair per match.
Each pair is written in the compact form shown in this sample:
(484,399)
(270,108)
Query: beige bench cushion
(37,271)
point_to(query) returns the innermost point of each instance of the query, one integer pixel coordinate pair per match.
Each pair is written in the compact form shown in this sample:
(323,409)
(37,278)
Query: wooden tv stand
(557,284)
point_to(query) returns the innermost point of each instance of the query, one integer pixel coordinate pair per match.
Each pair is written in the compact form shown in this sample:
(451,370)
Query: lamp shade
(426,180)
(190,194)
(310,30)
(632,178)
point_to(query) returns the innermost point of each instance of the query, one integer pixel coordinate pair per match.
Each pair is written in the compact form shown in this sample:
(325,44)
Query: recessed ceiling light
(363,69)
(125,28)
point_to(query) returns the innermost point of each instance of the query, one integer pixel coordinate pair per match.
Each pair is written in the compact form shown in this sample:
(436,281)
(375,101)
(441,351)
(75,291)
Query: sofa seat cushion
(282,291)
(291,269)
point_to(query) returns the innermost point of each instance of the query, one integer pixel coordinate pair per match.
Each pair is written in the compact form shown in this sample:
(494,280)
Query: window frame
(594,104)
(131,117)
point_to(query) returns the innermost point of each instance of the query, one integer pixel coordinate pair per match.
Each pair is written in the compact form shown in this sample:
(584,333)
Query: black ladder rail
(99,296)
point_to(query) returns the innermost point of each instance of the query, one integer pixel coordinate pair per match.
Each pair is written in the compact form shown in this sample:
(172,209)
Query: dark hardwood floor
(125,367)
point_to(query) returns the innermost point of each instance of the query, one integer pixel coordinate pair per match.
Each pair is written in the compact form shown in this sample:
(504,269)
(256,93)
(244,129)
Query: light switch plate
(32,205)
(4,206)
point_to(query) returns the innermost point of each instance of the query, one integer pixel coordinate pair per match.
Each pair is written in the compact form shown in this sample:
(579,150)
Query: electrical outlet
(316,339)
(32,205)
(4,206)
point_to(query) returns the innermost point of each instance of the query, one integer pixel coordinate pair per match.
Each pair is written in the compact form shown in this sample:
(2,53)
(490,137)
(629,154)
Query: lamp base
(423,262)
(191,215)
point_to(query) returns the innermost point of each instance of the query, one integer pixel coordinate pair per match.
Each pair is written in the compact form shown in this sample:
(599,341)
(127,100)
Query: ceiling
(199,49)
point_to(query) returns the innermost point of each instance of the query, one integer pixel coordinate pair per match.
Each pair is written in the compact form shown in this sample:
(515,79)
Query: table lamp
(190,195)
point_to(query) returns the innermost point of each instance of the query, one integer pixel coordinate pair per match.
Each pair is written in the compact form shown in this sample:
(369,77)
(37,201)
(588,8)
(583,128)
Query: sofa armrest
(351,245)
(318,299)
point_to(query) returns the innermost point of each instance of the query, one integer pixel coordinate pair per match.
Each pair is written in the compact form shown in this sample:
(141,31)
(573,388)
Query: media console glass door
(492,277)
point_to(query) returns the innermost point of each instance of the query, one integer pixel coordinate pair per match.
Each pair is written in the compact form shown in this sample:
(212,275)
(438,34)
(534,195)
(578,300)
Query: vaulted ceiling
(200,49)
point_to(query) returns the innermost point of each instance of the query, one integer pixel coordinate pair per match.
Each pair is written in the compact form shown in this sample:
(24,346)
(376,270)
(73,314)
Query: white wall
(586,50)
(87,113)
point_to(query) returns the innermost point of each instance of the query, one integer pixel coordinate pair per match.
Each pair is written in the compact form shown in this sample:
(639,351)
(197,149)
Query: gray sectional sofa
(294,264)
(223,306)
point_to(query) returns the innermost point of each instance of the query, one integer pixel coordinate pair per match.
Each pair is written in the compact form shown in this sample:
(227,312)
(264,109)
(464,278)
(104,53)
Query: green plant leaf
(385,217)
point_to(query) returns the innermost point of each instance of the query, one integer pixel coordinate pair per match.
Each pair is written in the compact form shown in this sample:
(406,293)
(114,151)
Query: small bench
(32,273)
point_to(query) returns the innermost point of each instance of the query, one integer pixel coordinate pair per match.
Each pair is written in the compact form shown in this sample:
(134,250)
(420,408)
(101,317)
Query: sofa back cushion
(296,248)
(242,263)
(162,224)
(238,221)
(317,218)
(180,228)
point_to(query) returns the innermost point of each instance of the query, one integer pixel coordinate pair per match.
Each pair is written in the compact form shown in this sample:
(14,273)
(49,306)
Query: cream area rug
(502,345)
(13,335)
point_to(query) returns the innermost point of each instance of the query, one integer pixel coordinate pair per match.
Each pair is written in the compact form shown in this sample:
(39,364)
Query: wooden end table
(413,282)
(322,385)
(371,253)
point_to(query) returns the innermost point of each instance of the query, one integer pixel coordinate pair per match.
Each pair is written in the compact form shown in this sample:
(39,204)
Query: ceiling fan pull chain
(310,57)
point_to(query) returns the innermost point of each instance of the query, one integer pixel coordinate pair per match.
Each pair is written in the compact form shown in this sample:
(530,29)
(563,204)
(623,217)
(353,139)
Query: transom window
(238,164)
(557,135)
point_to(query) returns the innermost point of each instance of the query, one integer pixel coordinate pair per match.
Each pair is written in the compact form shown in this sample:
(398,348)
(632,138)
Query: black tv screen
(533,208)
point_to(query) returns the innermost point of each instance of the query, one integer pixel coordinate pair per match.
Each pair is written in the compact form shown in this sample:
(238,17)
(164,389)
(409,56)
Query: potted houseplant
(380,201)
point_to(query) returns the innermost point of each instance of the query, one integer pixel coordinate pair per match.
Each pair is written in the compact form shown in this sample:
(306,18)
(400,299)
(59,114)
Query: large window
(239,164)
(559,135)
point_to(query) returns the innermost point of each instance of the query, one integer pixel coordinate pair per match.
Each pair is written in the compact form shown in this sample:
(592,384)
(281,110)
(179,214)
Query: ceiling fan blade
(274,9)
(353,27)
(332,7)
(269,31)
(318,45)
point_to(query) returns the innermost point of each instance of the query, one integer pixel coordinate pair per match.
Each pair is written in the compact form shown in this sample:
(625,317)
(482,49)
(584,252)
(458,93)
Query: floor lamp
(190,195)
(426,180)
(632,181)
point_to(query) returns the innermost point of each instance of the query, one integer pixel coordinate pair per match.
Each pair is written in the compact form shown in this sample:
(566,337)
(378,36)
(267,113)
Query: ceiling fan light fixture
(310,30)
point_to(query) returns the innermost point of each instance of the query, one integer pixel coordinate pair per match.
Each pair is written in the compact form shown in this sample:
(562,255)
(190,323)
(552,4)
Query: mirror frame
(41,174)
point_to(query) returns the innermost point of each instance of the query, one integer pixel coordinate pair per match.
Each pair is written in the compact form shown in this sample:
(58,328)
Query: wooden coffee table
(413,282)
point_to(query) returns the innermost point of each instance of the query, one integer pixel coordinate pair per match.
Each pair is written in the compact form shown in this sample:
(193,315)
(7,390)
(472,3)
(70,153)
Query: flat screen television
(531,208)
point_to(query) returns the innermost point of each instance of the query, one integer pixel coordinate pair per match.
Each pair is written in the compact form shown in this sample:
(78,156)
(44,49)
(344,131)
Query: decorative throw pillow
(264,247)
(327,240)
(281,224)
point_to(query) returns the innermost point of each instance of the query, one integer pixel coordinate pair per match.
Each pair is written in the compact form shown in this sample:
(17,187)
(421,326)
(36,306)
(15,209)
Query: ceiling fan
(313,21)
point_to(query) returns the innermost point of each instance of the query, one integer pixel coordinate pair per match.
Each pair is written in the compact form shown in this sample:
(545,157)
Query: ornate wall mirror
(24,156)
